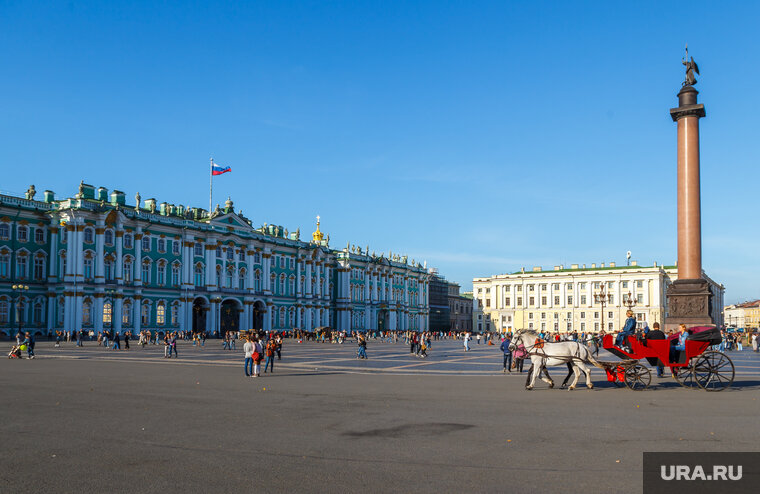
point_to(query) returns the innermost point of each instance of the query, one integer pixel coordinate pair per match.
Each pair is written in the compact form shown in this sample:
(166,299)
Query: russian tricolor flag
(218,170)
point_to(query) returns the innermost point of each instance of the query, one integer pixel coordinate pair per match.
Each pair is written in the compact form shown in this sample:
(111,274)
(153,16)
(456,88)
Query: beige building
(745,315)
(563,299)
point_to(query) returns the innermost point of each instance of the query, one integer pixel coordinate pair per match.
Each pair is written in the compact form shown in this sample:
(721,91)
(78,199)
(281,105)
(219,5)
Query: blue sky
(481,137)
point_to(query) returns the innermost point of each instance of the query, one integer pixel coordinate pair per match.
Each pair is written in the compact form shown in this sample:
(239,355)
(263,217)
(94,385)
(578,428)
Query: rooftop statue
(691,68)
(30,192)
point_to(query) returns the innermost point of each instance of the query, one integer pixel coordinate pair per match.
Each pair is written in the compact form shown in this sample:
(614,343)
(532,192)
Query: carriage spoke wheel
(714,371)
(685,377)
(637,377)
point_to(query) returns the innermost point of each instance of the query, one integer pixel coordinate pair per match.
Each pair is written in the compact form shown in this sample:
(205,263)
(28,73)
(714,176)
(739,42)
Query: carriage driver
(628,329)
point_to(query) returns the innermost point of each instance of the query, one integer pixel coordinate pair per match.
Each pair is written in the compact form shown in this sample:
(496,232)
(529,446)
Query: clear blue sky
(480,137)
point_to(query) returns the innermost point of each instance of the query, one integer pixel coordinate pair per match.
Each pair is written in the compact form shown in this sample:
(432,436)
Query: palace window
(176,244)
(21,264)
(37,313)
(87,312)
(568,286)
(639,284)
(257,257)
(108,238)
(230,274)
(127,270)
(612,299)
(88,269)
(89,235)
(126,313)
(555,286)
(292,263)
(218,251)
(292,286)
(543,300)
(160,314)
(272,261)
(128,240)
(39,269)
(556,300)
(230,254)
(107,313)
(175,274)
(199,281)
(640,298)
(5,265)
(241,279)
(161,274)
(581,286)
(39,235)
(569,300)
(3,312)
(257,281)
(146,243)
(282,284)
(145,315)
(218,276)
(62,264)
(22,233)
(5,231)
(272,282)
(161,245)
(583,299)
(175,314)
(519,301)
(625,284)
(146,272)
(198,249)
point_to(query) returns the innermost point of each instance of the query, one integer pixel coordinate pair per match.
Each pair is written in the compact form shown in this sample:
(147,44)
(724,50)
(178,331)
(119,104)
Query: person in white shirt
(248,349)
(467,342)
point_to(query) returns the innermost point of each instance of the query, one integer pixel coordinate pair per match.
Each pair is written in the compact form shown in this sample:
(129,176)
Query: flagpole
(210,184)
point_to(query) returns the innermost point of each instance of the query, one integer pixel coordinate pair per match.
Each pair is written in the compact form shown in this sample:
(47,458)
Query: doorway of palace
(381,320)
(229,319)
(259,310)
(199,315)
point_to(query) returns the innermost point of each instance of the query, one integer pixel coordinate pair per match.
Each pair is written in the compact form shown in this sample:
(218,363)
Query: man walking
(116,341)
(248,349)
(29,342)
(507,354)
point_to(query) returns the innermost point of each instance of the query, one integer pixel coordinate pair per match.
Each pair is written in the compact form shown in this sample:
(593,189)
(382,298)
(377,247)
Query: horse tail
(593,361)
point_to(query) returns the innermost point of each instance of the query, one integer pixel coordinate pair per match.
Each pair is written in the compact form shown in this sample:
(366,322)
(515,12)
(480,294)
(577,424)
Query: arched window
(145,314)
(175,274)
(282,317)
(161,273)
(230,254)
(126,313)
(282,284)
(5,231)
(87,312)
(60,312)
(257,281)
(146,243)
(218,276)
(128,240)
(199,275)
(160,313)
(22,233)
(89,235)
(175,314)
(39,235)
(108,237)
(4,311)
(230,276)
(107,313)
(22,263)
(301,284)
(241,278)
(88,262)
(37,314)
(5,265)
(127,269)
(146,271)
(162,245)
(292,285)
(198,249)
(273,282)
(291,317)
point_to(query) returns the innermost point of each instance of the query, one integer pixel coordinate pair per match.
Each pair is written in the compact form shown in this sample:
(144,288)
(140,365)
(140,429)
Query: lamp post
(629,302)
(602,298)
(21,289)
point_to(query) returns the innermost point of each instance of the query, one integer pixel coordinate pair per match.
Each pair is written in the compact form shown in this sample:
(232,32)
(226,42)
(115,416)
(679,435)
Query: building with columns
(563,299)
(93,262)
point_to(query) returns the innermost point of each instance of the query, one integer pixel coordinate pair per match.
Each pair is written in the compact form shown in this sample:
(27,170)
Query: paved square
(95,420)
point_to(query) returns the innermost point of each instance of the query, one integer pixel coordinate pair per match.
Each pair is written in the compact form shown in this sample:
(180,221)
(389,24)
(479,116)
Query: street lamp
(602,298)
(21,289)
(629,302)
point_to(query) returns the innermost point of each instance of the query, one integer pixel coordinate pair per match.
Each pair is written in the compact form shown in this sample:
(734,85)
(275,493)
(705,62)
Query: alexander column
(689,297)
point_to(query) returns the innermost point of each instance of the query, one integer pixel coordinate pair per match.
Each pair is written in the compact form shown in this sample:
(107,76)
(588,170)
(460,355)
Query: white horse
(549,353)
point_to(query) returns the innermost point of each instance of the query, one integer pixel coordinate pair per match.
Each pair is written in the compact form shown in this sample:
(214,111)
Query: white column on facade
(53,259)
(250,252)
(298,278)
(99,252)
(51,302)
(118,312)
(589,294)
(367,296)
(318,274)
(79,238)
(137,313)
(137,266)
(406,290)
(119,266)
(97,308)
(266,268)
(307,284)
(211,264)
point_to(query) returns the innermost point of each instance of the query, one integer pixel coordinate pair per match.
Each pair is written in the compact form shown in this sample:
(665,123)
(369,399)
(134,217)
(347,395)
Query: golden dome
(317,235)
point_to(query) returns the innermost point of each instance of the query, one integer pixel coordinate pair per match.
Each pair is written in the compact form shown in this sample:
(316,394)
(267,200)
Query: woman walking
(256,356)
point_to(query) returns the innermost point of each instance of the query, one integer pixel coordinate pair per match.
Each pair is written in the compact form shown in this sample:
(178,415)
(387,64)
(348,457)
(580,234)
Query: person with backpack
(269,364)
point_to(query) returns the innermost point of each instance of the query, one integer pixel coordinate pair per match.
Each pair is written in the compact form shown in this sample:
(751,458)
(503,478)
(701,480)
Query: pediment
(231,220)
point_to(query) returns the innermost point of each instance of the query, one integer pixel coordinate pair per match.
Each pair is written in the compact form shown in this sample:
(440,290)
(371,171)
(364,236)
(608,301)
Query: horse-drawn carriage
(696,366)
(693,367)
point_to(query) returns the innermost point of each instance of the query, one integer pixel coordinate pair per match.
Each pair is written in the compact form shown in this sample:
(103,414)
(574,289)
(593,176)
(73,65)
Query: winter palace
(578,298)
(94,262)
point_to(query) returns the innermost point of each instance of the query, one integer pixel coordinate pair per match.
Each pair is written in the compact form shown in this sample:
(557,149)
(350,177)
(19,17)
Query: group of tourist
(258,347)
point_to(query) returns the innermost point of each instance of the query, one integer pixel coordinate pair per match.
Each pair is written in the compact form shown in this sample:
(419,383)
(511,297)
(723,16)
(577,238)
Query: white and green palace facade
(94,262)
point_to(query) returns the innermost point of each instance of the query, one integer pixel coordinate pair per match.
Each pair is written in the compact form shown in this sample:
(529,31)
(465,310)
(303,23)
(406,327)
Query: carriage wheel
(685,377)
(714,371)
(637,377)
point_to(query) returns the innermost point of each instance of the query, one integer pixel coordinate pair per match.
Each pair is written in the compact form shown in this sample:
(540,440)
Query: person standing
(248,362)
(173,345)
(278,346)
(466,342)
(79,338)
(269,364)
(256,356)
(167,349)
(127,334)
(657,334)
(29,342)
(362,341)
(507,354)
